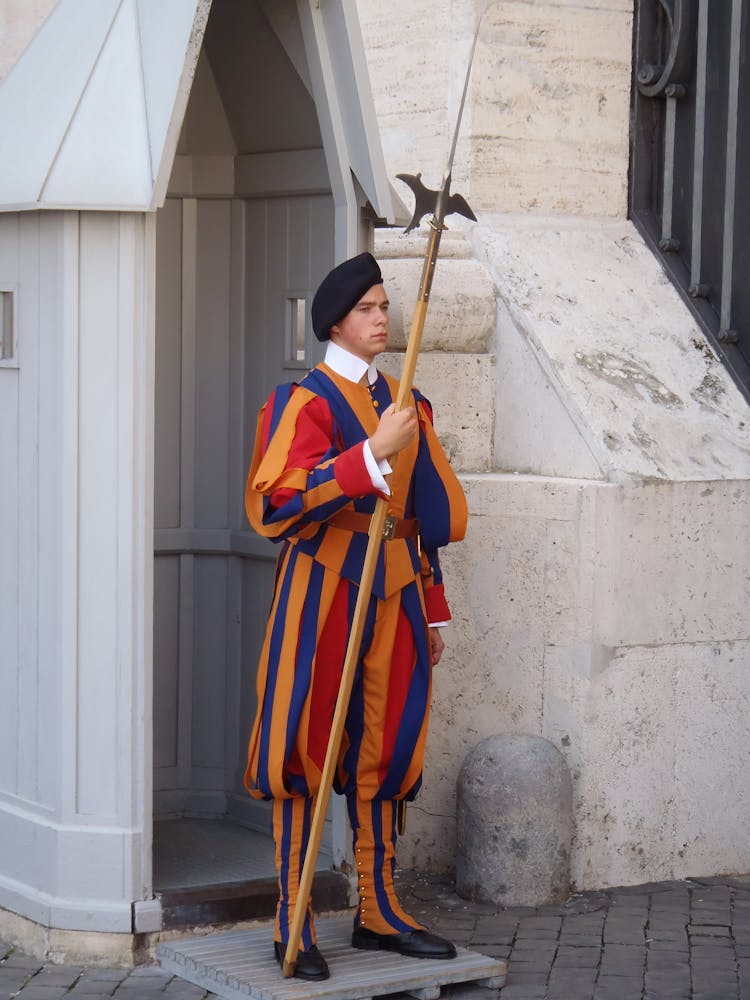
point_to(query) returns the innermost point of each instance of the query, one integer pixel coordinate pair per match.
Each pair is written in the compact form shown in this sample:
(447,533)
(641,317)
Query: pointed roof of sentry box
(91,112)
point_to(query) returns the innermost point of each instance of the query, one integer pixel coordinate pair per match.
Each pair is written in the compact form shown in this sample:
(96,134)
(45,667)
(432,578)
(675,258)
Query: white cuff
(377,470)
(437,624)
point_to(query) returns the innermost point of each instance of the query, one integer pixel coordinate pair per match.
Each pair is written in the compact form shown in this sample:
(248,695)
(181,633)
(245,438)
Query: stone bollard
(515,822)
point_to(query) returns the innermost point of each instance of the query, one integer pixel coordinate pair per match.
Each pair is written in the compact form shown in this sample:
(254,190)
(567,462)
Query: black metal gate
(690,160)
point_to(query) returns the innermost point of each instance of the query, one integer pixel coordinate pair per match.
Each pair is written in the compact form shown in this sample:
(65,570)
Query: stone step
(200,905)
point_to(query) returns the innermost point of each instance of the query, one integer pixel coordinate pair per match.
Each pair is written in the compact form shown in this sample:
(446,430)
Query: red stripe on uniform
(351,472)
(436,604)
(329,663)
(402,667)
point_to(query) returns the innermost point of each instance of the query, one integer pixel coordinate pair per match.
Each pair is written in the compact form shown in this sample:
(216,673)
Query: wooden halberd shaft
(375,540)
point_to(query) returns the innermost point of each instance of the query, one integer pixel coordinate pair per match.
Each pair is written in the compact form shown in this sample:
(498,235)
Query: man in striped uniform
(319,464)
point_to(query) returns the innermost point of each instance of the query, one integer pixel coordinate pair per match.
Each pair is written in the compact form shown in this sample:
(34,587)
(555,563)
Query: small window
(8,351)
(296,355)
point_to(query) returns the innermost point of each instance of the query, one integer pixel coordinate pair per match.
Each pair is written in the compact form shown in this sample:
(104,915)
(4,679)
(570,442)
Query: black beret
(341,290)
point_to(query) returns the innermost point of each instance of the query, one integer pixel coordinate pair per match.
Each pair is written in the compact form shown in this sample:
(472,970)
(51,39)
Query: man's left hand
(436,645)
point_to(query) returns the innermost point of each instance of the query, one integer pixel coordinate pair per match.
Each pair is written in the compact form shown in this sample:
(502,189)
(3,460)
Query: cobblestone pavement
(686,940)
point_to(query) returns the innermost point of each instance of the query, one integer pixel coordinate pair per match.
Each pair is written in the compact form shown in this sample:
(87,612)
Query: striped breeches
(298,680)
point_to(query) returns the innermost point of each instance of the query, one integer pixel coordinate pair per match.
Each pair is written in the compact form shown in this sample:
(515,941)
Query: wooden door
(233,276)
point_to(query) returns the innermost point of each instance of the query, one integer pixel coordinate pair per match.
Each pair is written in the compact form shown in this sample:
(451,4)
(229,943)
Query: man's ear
(333,329)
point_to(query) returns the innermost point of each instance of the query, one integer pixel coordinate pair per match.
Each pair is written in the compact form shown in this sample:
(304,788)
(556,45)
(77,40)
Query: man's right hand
(394,432)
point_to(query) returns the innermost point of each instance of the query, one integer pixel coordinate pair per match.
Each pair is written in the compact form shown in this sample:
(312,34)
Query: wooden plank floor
(239,965)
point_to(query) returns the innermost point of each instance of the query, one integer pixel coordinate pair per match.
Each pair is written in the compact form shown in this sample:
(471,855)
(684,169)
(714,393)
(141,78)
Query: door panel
(211,413)
(226,271)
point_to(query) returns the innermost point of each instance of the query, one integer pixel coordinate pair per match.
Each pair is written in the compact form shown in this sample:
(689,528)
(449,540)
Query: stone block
(461,317)
(548,131)
(460,388)
(624,359)
(515,822)
(665,722)
(691,543)
(546,123)
(392,243)
(534,429)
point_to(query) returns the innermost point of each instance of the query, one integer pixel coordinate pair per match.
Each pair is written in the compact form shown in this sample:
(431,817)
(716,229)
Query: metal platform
(240,965)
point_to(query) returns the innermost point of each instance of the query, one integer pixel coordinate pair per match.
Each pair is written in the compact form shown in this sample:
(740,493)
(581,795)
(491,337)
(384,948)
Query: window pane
(296,346)
(6,326)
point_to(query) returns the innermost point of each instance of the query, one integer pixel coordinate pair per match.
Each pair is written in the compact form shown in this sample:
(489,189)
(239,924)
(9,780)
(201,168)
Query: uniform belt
(395,527)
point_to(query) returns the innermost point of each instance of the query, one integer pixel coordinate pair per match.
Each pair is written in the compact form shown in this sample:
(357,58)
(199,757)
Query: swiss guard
(319,465)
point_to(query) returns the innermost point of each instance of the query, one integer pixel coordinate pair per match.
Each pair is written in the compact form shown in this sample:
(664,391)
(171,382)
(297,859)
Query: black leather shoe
(310,964)
(414,944)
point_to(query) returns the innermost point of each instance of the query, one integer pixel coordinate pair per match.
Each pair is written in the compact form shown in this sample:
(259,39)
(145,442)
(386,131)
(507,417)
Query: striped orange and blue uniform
(308,466)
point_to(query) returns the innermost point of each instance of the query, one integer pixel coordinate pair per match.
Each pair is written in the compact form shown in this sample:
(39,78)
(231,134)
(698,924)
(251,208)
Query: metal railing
(690,160)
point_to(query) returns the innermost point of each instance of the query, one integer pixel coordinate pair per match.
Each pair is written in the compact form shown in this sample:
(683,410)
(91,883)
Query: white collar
(348,365)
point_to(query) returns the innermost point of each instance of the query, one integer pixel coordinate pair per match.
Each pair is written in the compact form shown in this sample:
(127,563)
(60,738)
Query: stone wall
(546,124)
(603,608)
(599,599)
(604,617)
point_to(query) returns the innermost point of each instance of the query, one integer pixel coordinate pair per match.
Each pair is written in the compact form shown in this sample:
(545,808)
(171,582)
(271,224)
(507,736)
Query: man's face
(364,330)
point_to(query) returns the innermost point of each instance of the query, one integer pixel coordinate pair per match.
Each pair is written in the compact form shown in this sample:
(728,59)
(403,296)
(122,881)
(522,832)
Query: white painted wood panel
(212,337)
(209,671)
(185,648)
(292,172)
(29,564)
(69,513)
(29,422)
(9,562)
(9,525)
(256,585)
(50,533)
(166,657)
(96,680)
(76,775)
